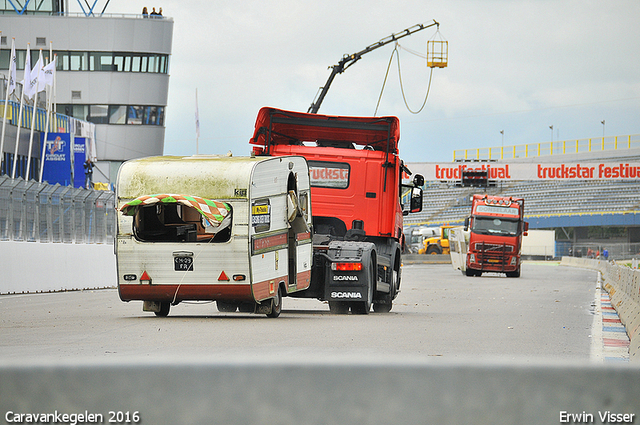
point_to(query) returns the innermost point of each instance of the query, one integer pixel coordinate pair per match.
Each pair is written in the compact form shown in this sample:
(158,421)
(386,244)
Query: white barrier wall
(623,285)
(28,267)
(311,390)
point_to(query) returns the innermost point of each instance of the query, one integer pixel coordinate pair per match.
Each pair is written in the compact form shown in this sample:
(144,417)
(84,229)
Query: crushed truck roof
(280,127)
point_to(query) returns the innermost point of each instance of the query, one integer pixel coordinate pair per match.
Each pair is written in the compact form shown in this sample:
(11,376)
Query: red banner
(530,171)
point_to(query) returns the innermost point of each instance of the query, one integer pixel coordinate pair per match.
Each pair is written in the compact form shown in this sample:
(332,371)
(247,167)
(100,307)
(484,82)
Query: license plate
(183,264)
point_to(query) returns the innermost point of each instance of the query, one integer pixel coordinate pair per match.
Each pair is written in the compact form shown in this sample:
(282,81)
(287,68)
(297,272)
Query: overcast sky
(514,66)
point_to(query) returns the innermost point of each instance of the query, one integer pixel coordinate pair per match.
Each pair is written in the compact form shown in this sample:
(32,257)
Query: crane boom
(348,60)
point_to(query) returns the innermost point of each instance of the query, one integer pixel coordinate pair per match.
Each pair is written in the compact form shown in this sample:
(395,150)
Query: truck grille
(493,256)
(492,248)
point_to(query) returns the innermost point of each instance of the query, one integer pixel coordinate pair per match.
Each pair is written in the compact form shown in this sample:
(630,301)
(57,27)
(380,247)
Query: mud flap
(350,283)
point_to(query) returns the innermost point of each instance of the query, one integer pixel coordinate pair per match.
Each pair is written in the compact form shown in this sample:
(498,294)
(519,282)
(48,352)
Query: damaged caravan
(235,230)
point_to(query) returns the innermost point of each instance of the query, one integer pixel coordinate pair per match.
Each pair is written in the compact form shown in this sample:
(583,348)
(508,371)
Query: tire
(434,249)
(382,308)
(226,307)
(387,305)
(469,272)
(165,306)
(276,305)
(338,307)
(514,274)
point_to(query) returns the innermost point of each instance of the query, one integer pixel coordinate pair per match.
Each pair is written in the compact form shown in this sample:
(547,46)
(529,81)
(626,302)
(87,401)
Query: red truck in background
(496,229)
(356,190)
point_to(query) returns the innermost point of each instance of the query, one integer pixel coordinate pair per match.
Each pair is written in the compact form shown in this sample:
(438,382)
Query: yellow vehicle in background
(437,244)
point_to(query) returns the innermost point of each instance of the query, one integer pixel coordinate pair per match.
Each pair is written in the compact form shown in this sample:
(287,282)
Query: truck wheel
(388,304)
(276,305)
(514,274)
(471,272)
(338,307)
(434,249)
(226,307)
(382,308)
(165,306)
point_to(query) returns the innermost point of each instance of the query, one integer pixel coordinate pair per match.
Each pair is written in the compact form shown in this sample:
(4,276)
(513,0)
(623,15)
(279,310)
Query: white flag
(27,74)
(31,88)
(12,68)
(47,75)
(39,69)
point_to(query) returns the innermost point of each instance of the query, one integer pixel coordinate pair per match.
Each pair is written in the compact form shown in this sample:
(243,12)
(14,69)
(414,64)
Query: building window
(115,114)
(93,61)
(135,114)
(135,64)
(98,114)
(77,61)
(101,61)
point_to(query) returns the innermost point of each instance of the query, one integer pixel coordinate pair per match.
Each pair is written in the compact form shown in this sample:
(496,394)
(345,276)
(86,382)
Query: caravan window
(177,223)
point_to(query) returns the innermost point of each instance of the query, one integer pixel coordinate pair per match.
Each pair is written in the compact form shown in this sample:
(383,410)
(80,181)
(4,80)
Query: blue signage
(57,158)
(79,170)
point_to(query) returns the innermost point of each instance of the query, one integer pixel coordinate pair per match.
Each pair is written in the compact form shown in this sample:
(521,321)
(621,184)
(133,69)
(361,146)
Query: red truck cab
(356,191)
(496,229)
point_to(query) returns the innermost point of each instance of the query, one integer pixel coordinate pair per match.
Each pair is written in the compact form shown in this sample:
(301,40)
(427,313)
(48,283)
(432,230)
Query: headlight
(472,258)
(513,260)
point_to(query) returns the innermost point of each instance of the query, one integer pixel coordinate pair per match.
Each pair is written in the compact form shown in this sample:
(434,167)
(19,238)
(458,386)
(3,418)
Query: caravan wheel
(226,307)
(165,306)
(276,305)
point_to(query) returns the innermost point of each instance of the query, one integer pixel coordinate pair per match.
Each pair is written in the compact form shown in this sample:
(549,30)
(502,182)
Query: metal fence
(596,250)
(40,212)
(595,144)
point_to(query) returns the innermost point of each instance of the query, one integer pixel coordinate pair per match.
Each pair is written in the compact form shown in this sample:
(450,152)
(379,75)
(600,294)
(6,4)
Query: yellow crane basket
(437,51)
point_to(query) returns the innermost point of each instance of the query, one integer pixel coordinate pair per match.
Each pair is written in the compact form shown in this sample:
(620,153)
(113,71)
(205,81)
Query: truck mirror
(466,224)
(416,200)
(418,180)
(526,228)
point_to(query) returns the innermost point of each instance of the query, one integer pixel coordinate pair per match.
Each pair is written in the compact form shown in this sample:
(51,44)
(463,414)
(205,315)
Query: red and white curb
(609,339)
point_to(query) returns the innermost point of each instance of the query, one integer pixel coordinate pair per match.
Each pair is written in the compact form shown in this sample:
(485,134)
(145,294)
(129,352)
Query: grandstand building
(112,70)
(586,213)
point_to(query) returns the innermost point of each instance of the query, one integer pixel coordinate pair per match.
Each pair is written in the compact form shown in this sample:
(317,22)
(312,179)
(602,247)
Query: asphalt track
(547,314)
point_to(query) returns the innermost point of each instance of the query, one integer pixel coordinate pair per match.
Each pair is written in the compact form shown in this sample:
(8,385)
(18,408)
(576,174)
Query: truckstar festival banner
(531,171)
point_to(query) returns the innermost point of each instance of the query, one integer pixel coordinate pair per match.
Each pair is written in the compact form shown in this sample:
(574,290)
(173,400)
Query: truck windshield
(495,226)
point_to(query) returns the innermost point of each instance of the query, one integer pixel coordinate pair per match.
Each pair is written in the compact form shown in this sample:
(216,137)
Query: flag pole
(25,81)
(197,124)
(10,89)
(34,115)
(46,127)
(15,156)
